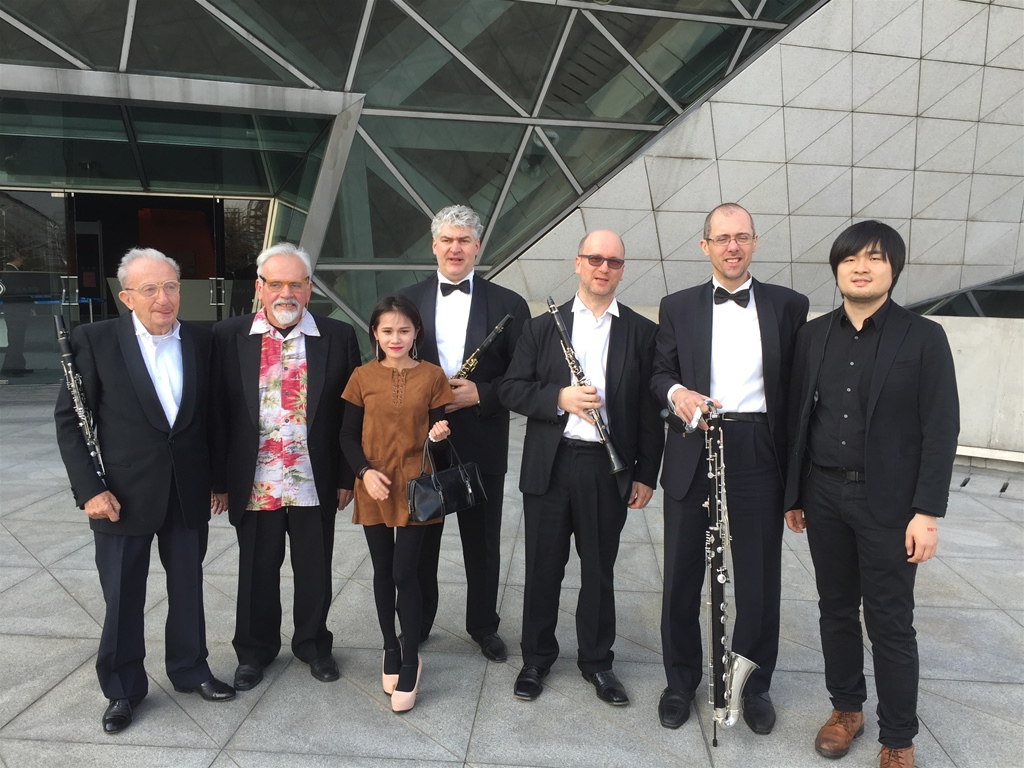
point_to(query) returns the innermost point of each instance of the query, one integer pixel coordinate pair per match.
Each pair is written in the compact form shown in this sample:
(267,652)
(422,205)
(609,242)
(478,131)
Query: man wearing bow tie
(730,341)
(459,309)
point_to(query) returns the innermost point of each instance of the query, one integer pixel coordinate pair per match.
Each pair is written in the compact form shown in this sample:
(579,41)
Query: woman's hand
(439,431)
(376,484)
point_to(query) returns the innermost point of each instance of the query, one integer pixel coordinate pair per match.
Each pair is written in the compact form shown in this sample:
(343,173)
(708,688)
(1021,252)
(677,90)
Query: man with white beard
(276,411)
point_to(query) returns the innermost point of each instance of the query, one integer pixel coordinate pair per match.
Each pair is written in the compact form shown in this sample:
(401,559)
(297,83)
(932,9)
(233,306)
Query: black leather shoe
(324,669)
(247,677)
(212,690)
(528,685)
(608,687)
(759,713)
(118,714)
(493,647)
(674,707)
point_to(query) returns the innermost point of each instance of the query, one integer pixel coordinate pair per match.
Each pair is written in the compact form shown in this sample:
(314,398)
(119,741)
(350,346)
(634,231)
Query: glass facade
(516,107)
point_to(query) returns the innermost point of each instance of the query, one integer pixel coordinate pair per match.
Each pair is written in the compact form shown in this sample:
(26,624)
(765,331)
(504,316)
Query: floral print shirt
(284,475)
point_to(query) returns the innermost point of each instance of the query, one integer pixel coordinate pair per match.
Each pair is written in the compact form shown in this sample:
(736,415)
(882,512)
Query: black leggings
(395,553)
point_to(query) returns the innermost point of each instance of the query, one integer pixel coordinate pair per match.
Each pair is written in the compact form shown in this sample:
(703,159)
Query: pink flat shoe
(403,701)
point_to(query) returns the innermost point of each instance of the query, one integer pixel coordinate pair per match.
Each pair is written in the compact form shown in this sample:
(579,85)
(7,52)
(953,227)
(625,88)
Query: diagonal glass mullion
(460,56)
(554,63)
(558,159)
(393,170)
(357,51)
(42,40)
(505,188)
(126,41)
(739,50)
(634,63)
(743,11)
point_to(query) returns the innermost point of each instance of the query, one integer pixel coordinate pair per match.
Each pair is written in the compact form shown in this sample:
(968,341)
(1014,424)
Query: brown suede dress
(396,419)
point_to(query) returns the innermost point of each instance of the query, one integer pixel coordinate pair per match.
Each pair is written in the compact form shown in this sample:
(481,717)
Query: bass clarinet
(727,671)
(73,380)
(470,363)
(580,379)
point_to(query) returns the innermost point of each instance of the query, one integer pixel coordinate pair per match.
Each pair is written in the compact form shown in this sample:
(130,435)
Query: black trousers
(857,560)
(123,565)
(754,494)
(261,540)
(480,530)
(582,502)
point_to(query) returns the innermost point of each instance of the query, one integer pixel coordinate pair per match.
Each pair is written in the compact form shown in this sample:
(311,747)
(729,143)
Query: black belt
(574,443)
(757,417)
(849,475)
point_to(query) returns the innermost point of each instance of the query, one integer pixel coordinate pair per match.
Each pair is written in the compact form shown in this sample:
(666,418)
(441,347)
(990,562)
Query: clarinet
(580,379)
(73,380)
(727,671)
(470,363)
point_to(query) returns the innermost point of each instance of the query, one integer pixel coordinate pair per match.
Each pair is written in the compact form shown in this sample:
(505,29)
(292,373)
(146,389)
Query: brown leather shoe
(896,758)
(835,736)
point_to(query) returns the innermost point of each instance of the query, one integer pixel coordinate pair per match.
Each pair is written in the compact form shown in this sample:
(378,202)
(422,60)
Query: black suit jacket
(683,356)
(330,359)
(913,416)
(479,434)
(539,371)
(141,452)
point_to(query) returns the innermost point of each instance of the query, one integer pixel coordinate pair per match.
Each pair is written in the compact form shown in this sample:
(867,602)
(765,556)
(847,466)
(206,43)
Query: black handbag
(435,494)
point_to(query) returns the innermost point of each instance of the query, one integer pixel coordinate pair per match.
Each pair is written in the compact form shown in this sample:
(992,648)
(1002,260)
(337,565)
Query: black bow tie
(740,297)
(448,288)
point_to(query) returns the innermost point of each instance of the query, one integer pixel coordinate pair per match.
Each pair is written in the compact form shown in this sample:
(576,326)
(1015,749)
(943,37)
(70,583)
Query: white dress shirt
(451,321)
(590,337)
(737,365)
(163,361)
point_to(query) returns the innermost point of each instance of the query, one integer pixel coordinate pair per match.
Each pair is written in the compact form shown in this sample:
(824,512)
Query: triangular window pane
(89,29)
(591,153)
(18,48)
(511,42)
(178,37)
(593,81)
(403,66)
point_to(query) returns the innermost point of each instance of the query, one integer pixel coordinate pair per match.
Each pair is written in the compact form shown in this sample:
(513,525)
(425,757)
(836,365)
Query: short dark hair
(402,306)
(854,239)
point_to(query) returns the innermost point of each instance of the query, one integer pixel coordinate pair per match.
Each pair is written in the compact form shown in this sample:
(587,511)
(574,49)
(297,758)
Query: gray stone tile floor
(969,619)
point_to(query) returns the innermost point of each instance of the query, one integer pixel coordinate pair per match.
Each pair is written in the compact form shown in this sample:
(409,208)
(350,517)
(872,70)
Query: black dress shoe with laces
(528,685)
(247,677)
(674,707)
(608,687)
(212,690)
(118,714)
(324,669)
(759,712)
(493,647)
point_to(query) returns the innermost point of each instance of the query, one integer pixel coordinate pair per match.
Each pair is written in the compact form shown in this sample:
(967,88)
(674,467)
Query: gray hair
(143,253)
(459,217)
(284,249)
(731,208)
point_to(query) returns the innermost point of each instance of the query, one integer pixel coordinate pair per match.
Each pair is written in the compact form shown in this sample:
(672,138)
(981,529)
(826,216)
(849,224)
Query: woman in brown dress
(393,403)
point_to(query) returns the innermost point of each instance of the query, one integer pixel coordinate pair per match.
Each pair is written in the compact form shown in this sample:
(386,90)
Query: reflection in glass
(361,290)
(18,48)
(446,161)
(63,120)
(539,191)
(44,162)
(591,153)
(245,227)
(91,30)
(403,66)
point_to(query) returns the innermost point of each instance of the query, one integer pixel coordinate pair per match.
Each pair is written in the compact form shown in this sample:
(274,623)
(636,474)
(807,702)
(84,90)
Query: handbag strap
(428,457)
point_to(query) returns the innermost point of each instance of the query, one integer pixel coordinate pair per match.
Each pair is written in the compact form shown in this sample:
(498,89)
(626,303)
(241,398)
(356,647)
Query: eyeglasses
(278,285)
(149,290)
(723,240)
(613,262)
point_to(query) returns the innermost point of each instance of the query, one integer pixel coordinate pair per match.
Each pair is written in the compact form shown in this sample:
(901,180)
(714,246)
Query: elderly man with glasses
(730,341)
(145,378)
(278,468)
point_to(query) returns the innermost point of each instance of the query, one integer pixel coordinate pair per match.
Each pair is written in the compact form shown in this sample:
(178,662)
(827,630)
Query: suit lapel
(702,339)
(316,373)
(617,340)
(250,346)
(427,305)
(476,329)
(771,347)
(567,317)
(139,374)
(189,366)
(895,328)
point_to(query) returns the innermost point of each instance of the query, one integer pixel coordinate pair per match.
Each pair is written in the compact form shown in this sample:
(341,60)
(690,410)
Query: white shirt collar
(579,306)
(140,330)
(747,284)
(305,326)
(442,279)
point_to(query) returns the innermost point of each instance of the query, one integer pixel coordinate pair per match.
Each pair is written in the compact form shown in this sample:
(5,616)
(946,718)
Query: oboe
(580,379)
(727,671)
(73,380)
(470,363)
